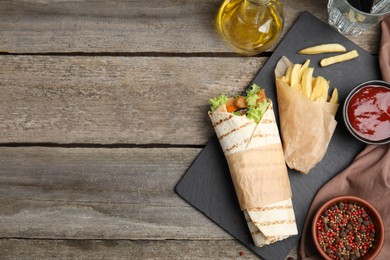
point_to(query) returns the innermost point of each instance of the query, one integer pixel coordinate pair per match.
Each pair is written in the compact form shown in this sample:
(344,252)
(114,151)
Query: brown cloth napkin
(384,51)
(368,176)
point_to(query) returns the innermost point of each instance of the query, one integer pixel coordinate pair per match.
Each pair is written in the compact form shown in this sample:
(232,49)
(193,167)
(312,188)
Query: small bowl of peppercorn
(348,227)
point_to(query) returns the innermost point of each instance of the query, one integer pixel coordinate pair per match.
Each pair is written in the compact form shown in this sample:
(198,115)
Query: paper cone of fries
(256,162)
(306,126)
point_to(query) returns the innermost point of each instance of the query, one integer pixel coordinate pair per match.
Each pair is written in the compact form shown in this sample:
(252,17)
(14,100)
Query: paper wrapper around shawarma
(256,162)
(306,126)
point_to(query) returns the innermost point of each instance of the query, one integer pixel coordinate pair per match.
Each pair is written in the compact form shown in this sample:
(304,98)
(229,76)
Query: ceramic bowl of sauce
(366,112)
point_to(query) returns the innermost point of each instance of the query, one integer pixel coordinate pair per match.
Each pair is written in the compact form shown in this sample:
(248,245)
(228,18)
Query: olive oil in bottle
(250,26)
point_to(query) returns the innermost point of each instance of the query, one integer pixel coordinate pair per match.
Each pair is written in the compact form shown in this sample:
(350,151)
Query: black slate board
(207,184)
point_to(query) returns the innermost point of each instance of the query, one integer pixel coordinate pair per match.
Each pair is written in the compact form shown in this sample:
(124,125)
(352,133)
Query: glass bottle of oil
(250,26)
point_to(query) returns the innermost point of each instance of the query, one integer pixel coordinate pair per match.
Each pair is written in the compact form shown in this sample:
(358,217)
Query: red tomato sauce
(369,112)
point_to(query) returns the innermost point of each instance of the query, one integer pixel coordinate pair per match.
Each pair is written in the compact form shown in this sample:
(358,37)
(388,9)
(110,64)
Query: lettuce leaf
(256,113)
(252,100)
(251,95)
(218,101)
(255,110)
(254,89)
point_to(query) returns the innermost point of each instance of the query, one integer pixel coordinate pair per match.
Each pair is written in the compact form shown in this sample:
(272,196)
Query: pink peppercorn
(349,230)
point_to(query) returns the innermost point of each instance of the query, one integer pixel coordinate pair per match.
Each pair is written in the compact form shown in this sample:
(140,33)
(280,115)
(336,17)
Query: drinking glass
(349,20)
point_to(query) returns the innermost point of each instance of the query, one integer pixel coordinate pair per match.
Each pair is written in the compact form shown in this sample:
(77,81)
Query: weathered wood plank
(86,193)
(49,194)
(106,220)
(138,100)
(122,249)
(185,26)
(94,175)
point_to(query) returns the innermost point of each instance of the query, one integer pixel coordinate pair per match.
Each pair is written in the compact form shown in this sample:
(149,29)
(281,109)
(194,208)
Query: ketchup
(369,112)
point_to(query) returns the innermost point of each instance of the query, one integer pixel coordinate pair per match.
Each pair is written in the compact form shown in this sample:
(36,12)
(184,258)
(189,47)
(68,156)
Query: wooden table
(103,107)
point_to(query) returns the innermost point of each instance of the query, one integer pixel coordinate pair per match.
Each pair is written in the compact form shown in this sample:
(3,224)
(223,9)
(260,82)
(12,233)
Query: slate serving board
(207,184)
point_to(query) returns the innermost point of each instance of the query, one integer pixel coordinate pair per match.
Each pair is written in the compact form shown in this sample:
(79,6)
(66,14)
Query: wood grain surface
(123,249)
(103,107)
(77,193)
(130,100)
(135,26)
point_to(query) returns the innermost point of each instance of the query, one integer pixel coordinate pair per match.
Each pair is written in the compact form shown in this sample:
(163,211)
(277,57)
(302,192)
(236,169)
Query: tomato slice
(230,105)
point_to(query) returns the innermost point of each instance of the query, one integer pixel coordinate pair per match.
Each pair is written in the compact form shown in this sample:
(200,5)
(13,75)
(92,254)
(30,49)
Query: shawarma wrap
(249,138)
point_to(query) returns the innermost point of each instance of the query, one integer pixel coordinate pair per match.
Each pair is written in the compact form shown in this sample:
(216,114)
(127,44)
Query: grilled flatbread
(256,162)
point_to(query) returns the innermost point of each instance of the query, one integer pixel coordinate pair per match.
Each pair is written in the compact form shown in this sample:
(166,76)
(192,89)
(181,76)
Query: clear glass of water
(351,21)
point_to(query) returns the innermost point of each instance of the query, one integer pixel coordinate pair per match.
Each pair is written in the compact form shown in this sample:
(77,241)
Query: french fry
(313,88)
(335,97)
(323,48)
(306,81)
(339,58)
(324,96)
(313,81)
(295,75)
(318,88)
(305,66)
(288,74)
